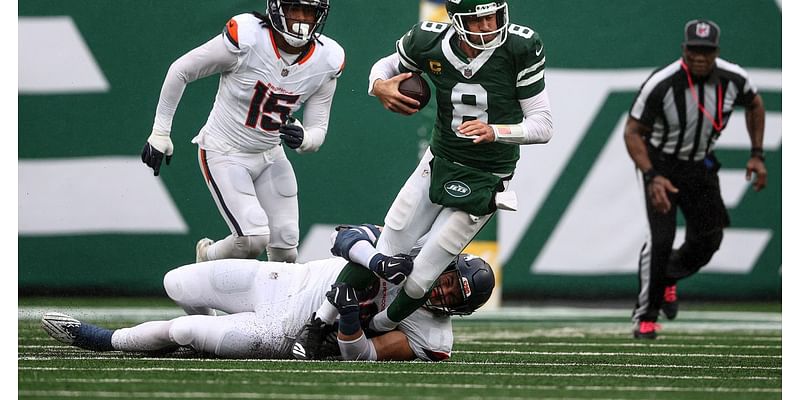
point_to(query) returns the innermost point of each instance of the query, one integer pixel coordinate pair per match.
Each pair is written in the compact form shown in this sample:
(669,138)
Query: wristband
(649,175)
(757,152)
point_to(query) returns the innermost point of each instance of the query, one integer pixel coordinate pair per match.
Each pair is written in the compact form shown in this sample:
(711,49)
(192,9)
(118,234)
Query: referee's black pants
(701,204)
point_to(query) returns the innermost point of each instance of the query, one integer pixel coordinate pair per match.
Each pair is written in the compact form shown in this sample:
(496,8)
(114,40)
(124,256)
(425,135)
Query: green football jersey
(487,88)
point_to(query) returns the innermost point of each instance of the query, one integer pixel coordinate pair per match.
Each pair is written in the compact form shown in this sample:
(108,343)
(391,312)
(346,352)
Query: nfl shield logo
(468,73)
(702,30)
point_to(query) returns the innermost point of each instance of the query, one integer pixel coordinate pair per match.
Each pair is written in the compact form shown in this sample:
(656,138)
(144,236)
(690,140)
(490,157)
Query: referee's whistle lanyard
(716,124)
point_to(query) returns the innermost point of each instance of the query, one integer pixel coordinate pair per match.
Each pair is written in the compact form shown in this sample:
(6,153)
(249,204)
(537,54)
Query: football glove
(343,297)
(158,145)
(394,269)
(292,133)
(348,235)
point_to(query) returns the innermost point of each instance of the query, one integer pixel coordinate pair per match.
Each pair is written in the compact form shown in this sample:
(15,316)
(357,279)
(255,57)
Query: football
(417,88)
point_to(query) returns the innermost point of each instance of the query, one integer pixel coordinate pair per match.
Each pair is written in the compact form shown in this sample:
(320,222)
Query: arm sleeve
(210,58)
(316,115)
(536,125)
(358,349)
(385,68)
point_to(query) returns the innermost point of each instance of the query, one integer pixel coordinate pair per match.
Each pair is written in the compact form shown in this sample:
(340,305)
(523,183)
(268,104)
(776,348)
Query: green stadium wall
(93,220)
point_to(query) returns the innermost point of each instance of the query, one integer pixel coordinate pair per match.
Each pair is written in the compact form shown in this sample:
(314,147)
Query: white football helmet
(457,10)
(297,34)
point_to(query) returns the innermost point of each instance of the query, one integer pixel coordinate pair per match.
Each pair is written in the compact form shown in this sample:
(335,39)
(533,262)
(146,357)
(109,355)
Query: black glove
(154,149)
(291,134)
(343,297)
(393,269)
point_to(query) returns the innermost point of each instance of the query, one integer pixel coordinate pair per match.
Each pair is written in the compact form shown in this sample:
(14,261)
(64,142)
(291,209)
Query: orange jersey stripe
(232,29)
(308,55)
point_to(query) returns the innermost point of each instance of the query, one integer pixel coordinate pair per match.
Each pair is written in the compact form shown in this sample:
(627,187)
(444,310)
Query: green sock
(403,305)
(356,275)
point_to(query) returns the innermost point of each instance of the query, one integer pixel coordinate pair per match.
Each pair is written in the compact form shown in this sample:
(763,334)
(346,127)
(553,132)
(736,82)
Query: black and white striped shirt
(669,105)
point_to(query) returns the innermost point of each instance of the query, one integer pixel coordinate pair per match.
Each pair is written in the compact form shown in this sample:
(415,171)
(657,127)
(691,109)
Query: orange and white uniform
(260,86)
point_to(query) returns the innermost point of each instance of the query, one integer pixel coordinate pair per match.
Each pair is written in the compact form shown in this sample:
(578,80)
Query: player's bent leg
(227,285)
(452,232)
(409,218)
(276,190)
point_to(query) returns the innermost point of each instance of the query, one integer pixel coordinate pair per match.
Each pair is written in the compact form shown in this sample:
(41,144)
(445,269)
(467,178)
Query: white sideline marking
(82,355)
(349,371)
(315,383)
(75,393)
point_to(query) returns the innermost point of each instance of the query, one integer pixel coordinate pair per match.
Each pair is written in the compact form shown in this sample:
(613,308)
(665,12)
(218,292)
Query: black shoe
(316,341)
(670,306)
(69,330)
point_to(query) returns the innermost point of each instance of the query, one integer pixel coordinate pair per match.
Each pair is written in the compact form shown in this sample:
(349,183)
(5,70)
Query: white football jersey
(262,90)
(429,335)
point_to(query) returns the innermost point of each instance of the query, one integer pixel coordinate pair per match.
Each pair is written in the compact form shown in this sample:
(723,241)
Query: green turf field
(709,352)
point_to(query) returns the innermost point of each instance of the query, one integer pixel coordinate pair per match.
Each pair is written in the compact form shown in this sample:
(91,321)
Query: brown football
(417,88)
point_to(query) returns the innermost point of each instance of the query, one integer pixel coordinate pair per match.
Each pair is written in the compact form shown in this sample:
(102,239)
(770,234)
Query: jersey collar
(466,70)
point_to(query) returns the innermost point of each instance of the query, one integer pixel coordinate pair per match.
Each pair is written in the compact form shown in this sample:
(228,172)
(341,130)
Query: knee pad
(285,234)
(249,246)
(282,255)
(173,286)
(181,330)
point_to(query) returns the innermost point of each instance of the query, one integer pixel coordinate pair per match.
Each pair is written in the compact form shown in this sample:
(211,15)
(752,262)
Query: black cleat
(670,306)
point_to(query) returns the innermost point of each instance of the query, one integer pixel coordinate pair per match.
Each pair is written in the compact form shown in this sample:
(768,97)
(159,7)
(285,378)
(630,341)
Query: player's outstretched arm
(353,343)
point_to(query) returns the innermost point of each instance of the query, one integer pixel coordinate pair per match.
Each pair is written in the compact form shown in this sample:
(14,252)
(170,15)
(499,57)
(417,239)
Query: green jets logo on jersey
(457,189)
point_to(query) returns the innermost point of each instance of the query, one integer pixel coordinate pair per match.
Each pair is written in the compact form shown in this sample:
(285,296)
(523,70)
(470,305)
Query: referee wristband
(757,152)
(649,175)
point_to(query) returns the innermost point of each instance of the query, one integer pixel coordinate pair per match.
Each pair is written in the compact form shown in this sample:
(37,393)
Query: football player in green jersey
(488,76)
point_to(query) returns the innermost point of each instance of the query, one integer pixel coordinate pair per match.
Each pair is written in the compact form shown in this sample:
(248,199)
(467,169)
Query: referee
(678,115)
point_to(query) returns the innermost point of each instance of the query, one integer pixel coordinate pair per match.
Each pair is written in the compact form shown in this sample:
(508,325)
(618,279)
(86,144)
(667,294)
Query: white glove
(158,145)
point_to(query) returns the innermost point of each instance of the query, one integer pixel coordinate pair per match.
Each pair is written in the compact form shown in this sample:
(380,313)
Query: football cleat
(645,330)
(69,330)
(316,341)
(201,249)
(670,306)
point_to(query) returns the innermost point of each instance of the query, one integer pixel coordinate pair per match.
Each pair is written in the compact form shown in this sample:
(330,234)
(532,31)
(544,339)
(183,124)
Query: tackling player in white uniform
(269,66)
(267,304)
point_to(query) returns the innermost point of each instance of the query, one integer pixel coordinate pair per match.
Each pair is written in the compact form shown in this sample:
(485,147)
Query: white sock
(362,252)
(382,323)
(148,336)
